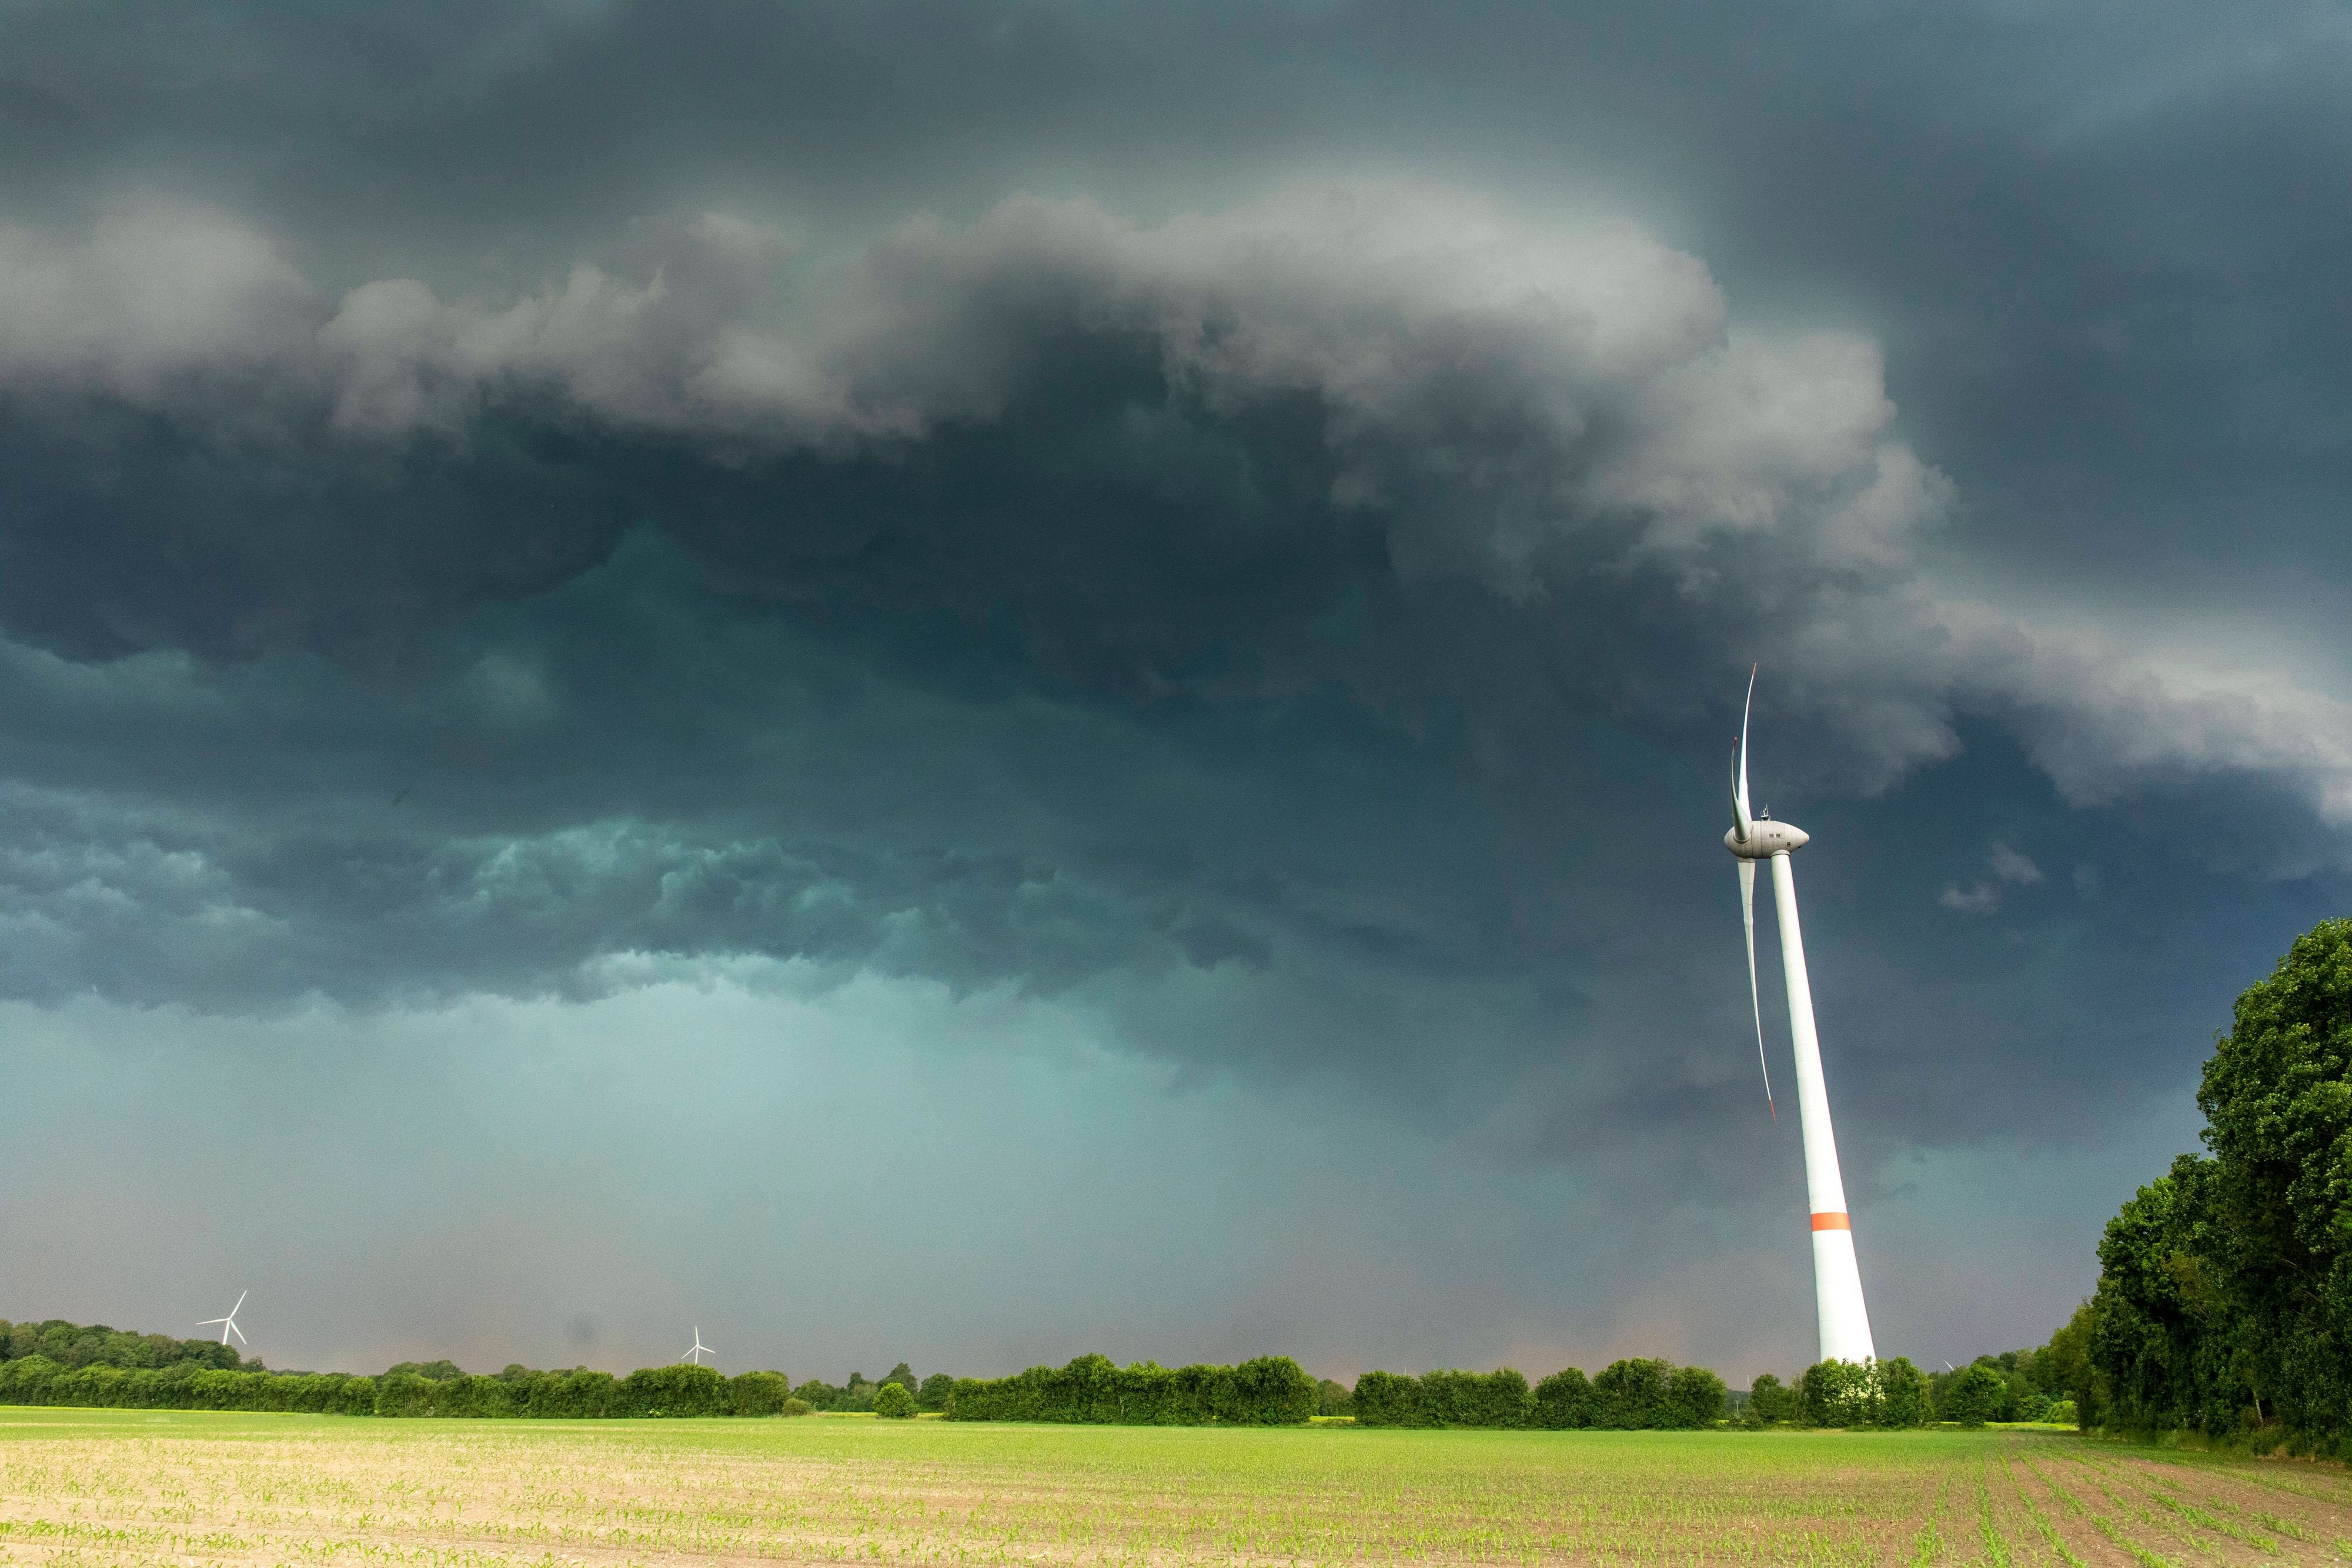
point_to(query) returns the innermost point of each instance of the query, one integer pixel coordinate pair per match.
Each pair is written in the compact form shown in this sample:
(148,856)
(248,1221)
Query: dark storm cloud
(1148,441)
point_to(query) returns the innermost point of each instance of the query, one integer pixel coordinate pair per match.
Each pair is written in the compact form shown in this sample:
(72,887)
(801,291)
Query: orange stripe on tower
(1832,1220)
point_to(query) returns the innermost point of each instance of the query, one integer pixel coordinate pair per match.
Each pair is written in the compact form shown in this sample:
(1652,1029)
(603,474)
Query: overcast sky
(967,684)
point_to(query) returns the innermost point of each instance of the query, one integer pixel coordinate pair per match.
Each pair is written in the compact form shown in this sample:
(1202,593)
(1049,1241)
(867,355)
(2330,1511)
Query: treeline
(2224,1304)
(519,1392)
(95,1344)
(1270,1391)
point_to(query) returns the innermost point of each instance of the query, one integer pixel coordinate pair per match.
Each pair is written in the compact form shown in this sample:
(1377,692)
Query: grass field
(150,1487)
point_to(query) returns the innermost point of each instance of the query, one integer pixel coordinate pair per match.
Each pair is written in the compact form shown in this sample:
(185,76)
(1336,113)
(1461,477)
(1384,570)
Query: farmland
(139,1487)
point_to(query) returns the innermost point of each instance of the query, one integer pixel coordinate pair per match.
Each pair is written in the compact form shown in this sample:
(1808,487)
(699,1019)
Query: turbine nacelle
(1754,836)
(1767,838)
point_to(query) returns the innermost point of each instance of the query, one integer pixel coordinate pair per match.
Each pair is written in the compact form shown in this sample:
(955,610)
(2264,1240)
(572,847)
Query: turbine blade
(241,1335)
(1748,919)
(240,1302)
(1742,818)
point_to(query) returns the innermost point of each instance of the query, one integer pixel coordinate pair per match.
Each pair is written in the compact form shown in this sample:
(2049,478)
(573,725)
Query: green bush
(1857,1394)
(1563,1401)
(1974,1398)
(1269,1391)
(1834,1394)
(893,1402)
(1769,1403)
(2062,1411)
(758,1393)
(1388,1399)
(1631,1395)
(1443,1399)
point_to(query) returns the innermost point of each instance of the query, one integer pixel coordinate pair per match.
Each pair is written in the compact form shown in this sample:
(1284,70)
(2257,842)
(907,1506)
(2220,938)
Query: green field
(145,1487)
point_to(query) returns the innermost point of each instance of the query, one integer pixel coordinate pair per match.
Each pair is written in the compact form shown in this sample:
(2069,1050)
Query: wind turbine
(1837,1278)
(700,1349)
(229,1324)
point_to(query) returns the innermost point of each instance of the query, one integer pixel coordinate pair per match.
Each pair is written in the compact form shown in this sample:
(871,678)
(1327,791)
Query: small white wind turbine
(229,1324)
(700,1350)
(1837,1278)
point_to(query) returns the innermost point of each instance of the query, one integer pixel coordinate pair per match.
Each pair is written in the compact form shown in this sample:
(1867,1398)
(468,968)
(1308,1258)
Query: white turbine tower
(1837,1279)
(229,1324)
(700,1350)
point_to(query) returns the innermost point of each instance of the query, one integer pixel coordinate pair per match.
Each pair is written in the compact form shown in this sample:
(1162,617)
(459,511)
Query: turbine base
(1837,1296)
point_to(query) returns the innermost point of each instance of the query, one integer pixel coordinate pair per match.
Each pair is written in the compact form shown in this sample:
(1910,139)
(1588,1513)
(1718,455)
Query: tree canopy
(2225,1285)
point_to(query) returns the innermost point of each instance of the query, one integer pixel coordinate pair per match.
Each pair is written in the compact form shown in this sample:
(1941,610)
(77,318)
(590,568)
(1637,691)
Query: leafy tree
(893,1402)
(936,1391)
(1899,1394)
(431,1371)
(2065,1371)
(904,1377)
(2277,1098)
(2166,1325)
(1694,1397)
(1770,1402)
(1332,1397)
(816,1393)
(1974,1396)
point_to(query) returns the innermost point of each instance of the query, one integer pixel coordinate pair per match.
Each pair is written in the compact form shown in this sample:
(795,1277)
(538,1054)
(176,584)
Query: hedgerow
(649,1390)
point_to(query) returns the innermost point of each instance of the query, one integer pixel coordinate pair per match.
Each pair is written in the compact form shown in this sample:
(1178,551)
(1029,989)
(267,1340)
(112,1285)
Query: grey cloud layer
(1534,410)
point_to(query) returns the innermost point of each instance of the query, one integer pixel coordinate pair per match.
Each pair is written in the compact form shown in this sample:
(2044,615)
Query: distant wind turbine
(229,1324)
(700,1350)
(1837,1278)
